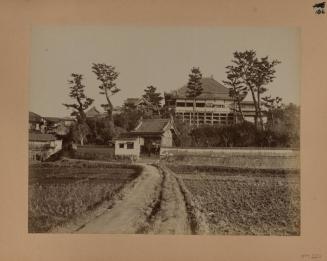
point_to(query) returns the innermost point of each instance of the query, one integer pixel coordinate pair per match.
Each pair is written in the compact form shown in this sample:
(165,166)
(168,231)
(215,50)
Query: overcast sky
(159,56)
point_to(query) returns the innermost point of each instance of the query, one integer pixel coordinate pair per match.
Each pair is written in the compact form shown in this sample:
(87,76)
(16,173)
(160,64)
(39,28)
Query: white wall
(128,152)
(236,151)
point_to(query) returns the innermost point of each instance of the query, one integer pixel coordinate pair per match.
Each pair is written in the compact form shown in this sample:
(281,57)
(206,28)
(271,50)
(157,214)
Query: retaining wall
(234,157)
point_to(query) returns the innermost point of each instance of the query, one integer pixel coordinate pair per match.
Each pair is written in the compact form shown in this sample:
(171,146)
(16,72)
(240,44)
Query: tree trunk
(110,106)
(259,108)
(240,109)
(193,112)
(255,107)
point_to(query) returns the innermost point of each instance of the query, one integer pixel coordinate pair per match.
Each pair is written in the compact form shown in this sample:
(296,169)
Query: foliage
(77,93)
(79,132)
(102,130)
(183,133)
(128,119)
(281,130)
(153,97)
(237,135)
(284,124)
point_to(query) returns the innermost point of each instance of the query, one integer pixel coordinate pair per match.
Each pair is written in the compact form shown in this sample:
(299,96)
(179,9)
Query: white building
(147,138)
(213,106)
(128,146)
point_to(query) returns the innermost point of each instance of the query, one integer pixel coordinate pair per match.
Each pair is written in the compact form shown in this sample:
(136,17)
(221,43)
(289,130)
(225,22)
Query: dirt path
(132,211)
(154,204)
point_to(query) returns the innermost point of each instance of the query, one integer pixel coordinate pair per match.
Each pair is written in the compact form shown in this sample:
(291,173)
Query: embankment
(262,158)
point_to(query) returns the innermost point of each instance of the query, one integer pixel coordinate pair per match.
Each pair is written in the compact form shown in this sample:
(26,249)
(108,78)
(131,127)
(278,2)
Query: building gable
(211,90)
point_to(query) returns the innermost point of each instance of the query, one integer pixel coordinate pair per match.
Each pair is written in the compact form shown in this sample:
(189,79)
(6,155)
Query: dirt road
(153,204)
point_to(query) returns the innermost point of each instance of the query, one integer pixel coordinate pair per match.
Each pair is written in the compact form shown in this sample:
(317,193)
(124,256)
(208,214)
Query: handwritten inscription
(311,256)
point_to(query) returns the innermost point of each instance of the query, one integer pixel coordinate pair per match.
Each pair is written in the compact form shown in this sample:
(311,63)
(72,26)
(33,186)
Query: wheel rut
(171,216)
(154,205)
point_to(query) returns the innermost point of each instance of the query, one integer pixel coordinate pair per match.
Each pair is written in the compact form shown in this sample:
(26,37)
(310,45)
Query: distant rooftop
(211,90)
(33,117)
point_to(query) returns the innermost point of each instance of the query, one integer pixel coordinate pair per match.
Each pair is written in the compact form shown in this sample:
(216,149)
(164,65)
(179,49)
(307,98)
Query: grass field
(244,201)
(63,190)
(95,153)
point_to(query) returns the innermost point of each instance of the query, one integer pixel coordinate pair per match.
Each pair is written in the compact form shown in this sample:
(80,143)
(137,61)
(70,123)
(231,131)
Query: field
(248,201)
(63,190)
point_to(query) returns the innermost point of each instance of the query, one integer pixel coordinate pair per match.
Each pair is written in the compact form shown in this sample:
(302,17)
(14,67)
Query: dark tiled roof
(151,126)
(41,137)
(211,90)
(33,117)
(136,101)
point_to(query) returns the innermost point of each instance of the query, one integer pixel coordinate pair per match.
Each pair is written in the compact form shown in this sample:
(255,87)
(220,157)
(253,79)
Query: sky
(159,56)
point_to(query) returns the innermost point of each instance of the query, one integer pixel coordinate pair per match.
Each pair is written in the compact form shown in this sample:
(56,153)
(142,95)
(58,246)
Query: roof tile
(211,90)
(151,126)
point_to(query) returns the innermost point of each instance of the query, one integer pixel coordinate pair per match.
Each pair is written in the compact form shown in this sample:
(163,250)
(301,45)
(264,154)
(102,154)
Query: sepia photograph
(164,130)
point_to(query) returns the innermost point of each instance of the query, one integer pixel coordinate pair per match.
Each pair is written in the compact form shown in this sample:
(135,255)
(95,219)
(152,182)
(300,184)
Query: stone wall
(234,157)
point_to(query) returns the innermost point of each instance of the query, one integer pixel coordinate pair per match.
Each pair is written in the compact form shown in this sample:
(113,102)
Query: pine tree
(153,97)
(77,93)
(237,90)
(194,86)
(107,75)
(255,74)
(80,130)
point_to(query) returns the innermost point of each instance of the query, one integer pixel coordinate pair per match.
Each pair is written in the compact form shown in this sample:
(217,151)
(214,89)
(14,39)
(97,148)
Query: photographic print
(164,130)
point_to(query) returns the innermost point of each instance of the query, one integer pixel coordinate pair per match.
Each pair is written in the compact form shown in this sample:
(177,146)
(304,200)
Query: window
(189,104)
(121,145)
(180,104)
(130,145)
(200,104)
(220,106)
